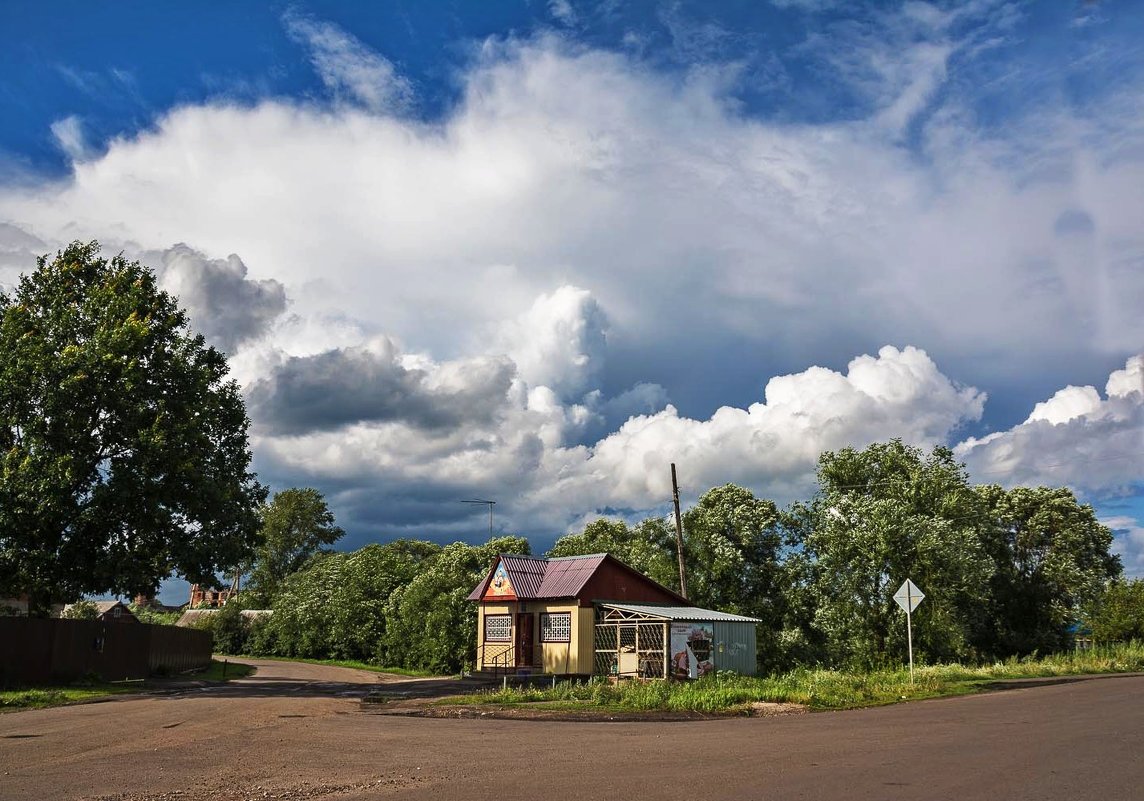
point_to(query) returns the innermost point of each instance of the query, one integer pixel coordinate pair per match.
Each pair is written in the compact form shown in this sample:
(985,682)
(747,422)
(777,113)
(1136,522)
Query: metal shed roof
(678,612)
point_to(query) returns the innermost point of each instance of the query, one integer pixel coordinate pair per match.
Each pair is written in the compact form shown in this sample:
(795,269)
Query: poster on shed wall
(691,649)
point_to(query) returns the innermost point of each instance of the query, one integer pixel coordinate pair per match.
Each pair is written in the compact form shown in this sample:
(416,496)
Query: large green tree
(1053,562)
(884,514)
(335,606)
(430,624)
(296,525)
(123,446)
(732,545)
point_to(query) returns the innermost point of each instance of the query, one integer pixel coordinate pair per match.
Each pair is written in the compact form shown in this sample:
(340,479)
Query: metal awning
(660,612)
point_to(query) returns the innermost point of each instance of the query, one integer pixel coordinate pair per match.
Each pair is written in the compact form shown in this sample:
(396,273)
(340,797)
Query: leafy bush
(1120,613)
(81,610)
(228,628)
(402,604)
(153,616)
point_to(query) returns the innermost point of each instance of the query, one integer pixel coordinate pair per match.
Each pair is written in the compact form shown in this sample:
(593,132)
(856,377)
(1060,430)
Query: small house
(110,612)
(585,615)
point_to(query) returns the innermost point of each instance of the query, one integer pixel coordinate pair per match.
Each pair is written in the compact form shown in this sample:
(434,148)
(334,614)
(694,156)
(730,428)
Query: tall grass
(816,689)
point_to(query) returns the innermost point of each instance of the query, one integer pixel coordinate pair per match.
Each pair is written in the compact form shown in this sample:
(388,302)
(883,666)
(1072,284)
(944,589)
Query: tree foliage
(1052,560)
(335,606)
(885,514)
(1004,571)
(401,604)
(430,623)
(81,610)
(1119,615)
(123,447)
(732,547)
(296,525)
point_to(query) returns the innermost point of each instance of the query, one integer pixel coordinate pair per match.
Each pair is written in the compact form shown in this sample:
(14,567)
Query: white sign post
(908,597)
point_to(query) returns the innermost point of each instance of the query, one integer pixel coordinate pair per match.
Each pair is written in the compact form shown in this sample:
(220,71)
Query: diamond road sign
(909,596)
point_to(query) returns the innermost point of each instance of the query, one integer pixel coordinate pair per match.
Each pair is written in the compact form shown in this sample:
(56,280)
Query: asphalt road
(1081,739)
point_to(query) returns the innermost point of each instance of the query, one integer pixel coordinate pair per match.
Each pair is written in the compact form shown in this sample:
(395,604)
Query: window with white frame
(498,628)
(556,627)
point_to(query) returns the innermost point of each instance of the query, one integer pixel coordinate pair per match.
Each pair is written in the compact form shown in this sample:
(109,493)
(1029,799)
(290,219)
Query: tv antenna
(489,504)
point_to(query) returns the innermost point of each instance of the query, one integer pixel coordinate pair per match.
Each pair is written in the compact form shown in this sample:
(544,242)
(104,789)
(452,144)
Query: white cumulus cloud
(1128,543)
(559,342)
(450,278)
(1077,438)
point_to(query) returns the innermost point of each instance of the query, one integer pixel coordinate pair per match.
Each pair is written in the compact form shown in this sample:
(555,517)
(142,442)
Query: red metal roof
(567,575)
(526,574)
(535,578)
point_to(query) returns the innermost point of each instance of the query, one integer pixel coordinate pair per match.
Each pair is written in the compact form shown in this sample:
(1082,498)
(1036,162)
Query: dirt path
(1082,739)
(274,677)
(276,670)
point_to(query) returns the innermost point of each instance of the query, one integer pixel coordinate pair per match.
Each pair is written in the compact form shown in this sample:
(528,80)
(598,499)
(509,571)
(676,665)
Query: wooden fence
(35,650)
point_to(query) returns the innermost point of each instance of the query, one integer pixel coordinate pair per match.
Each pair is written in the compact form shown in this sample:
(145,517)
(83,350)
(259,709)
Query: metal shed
(661,641)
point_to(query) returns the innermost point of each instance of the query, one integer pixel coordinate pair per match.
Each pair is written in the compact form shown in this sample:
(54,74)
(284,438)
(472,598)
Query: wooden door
(524,639)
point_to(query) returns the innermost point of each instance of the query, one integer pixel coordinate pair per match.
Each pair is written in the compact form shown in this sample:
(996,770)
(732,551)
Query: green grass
(57,695)
(40,697)
(815,689)
(347,663)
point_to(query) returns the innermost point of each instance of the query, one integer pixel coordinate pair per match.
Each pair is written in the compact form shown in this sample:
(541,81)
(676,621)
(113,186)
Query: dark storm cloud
(350,385)
(224,305)
(379,509)
(18,252)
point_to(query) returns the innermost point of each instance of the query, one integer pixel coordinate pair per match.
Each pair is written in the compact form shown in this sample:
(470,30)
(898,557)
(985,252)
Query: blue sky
(536,251)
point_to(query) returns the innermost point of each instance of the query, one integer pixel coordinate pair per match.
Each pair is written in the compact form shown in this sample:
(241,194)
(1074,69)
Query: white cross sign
(908,596)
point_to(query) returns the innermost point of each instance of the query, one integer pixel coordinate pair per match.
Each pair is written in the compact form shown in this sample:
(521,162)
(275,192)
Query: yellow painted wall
(575,657)
(493,649)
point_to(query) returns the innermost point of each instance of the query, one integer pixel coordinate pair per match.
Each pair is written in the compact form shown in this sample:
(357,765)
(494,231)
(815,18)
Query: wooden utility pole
(678,533)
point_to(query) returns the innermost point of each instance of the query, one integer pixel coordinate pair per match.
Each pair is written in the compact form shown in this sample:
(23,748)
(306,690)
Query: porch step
(518,677)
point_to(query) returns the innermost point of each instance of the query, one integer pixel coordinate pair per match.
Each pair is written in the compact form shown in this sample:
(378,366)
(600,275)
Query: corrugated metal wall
(734,647)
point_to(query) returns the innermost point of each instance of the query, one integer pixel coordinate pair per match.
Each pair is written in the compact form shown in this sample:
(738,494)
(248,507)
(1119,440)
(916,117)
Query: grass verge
(56,695)
(40,697)
(815,689)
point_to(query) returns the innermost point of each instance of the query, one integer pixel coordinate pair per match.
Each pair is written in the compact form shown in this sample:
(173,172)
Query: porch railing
(500,659)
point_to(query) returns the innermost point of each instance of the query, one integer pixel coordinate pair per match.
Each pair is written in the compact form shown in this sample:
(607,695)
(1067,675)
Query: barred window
(556,627)
(498,628)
